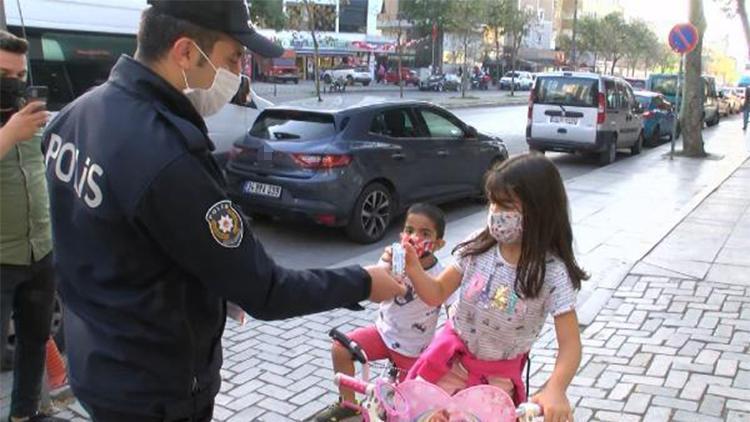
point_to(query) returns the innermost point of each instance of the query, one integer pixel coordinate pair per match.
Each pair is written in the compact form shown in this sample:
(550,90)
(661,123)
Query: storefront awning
(60,46)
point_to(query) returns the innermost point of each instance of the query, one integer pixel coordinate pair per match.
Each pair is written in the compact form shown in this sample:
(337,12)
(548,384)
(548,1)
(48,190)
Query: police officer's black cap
(228,16)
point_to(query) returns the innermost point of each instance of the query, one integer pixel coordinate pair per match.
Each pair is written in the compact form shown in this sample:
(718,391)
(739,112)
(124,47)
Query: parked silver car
(587,112)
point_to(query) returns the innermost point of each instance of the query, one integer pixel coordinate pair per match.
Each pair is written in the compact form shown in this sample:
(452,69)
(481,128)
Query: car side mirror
(471,132)
(239,102)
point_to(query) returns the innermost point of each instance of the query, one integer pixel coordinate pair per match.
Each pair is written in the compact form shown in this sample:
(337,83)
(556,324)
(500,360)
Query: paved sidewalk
(673,342)
(666,322)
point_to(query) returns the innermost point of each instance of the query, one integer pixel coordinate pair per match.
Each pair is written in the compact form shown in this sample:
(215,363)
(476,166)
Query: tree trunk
(316,51)
(465,73)
(513,71)
(614,63)
(742,13)
(691,117)
(497,54)
(440,46)
(596,59)
(316,65)
(399,47)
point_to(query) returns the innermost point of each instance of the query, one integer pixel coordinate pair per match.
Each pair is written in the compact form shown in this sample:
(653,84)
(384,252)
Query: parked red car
(407,75)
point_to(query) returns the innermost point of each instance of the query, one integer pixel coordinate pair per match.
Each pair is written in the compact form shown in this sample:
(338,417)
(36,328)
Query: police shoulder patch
(225,224)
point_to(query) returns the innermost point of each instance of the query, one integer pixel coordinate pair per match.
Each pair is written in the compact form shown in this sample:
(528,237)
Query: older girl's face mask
(505,226)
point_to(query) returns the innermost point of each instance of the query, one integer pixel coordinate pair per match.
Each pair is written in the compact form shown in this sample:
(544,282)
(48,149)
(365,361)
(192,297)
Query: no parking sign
(683,38)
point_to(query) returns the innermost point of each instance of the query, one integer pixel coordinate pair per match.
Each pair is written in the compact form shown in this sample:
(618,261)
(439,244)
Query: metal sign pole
(678,107)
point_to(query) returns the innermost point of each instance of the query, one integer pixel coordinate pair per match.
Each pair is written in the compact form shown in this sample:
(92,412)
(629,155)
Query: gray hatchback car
(357,165)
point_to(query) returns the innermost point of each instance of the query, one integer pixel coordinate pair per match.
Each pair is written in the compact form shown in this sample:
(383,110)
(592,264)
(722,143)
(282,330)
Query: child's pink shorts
(370,341)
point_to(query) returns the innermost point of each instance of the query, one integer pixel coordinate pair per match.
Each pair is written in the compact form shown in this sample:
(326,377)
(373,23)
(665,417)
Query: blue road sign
(683,38)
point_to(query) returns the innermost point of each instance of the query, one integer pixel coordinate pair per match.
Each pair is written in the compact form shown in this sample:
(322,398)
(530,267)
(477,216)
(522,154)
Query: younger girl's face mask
(423,247)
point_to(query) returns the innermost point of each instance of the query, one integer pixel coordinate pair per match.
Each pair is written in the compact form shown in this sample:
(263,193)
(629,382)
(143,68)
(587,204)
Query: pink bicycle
(387,400)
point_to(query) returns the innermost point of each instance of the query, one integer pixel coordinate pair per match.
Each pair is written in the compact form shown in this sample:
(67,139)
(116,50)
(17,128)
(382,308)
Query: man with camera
(27,288)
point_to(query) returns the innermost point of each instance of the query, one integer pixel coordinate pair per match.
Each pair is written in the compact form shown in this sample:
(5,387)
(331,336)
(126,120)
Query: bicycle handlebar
(357,353)
(353,384)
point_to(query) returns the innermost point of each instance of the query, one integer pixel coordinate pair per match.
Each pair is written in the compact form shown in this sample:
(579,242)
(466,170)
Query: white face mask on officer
(209,101)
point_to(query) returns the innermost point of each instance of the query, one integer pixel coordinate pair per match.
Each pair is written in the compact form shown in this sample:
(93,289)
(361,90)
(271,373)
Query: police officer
(149,247)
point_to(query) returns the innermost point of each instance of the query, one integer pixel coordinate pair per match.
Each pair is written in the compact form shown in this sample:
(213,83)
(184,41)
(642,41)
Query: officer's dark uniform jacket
(147,249)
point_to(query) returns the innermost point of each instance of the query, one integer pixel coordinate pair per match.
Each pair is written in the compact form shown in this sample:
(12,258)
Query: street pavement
(665,318)
(282,93)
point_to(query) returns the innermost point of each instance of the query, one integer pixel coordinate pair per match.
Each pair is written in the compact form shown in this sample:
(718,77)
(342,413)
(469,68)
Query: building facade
(347,32)
(564,11)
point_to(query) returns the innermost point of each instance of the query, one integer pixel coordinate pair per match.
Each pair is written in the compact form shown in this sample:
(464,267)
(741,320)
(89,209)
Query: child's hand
(412,259)
(555,405)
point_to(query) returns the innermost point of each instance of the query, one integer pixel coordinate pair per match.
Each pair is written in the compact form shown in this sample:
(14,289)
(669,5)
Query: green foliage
(268,14)
(614,39)
(641,44)
(301,15)
(424,13)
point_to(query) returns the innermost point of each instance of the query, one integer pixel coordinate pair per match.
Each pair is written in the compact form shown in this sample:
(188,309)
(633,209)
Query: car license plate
(262,189)
(566,120)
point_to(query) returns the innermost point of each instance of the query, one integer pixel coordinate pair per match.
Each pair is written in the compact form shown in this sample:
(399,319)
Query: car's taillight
(234,153)
(322,162)
(649,114)
(601,112)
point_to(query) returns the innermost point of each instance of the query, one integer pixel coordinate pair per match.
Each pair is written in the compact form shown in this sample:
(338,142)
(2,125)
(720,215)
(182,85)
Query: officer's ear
(184,53)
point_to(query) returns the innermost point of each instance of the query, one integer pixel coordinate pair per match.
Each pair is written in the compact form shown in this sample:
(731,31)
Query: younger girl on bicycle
(512,274)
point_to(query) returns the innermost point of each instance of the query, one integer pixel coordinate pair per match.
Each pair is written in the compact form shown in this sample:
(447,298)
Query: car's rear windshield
(666,85)
(565,90)
(292,125)
(644,100)
(362,69)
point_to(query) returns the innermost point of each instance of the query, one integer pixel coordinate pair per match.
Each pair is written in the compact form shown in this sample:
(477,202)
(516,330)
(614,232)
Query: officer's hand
(384,286)
(387,256)
(24,124)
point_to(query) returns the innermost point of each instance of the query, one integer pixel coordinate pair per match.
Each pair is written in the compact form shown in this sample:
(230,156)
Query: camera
(32,93)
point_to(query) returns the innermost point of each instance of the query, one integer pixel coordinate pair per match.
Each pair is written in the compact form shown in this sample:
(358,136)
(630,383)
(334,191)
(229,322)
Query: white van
(587,112)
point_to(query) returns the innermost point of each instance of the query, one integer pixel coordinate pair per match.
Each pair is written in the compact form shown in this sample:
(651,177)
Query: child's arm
(432,291)
(552,398)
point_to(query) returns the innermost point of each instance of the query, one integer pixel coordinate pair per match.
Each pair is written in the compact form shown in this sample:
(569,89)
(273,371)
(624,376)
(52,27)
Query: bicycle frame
(386,402)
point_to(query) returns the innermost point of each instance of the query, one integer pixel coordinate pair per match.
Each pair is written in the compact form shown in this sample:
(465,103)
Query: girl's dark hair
(432,212)
(535,181)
